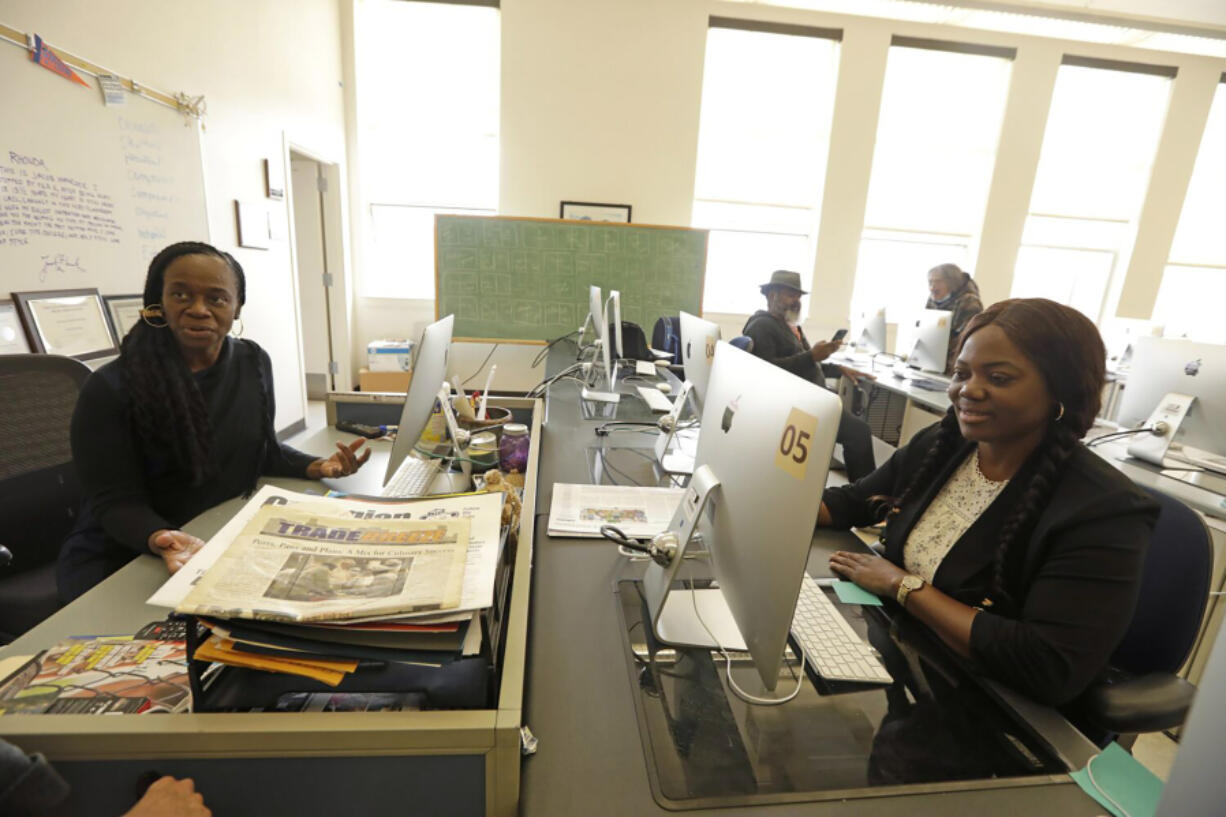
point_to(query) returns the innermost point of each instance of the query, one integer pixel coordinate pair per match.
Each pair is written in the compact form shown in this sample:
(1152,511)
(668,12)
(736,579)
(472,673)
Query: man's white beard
(792,316)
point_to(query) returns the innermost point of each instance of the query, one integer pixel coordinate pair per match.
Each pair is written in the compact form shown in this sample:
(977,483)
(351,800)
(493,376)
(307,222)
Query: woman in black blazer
(1017,546)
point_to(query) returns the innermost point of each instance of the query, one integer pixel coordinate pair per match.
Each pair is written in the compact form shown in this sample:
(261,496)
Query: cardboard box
(384,381)
(389,355)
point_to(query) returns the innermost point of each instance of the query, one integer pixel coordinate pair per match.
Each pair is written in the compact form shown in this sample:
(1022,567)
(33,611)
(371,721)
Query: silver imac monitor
(603,366)
(615,299)
(1196,784)
(923,340)
(593,317)
(868,330)
(763,453)
(698,339)
(428,373)
(1164,365)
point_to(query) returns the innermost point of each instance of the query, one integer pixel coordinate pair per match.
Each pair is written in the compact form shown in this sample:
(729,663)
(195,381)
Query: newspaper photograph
(296,565)
(580,510)
(483,511)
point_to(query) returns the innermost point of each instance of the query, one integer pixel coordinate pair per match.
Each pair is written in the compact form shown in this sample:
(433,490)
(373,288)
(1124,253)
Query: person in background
(1015,544)
(953,290)
(181,421)
(778,338)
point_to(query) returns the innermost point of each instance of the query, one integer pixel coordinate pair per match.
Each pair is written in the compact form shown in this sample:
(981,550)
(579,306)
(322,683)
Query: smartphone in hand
(839,335)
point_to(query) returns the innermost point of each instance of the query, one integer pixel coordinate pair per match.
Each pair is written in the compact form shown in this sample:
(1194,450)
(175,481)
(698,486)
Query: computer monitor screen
(428,372)
(615,299)
(868,330)
(698,339)
(923,339)
(1164,365)
(595,312)
(767,437)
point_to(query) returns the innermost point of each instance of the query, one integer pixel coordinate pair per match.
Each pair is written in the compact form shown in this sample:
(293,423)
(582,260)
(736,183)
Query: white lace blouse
(961,500)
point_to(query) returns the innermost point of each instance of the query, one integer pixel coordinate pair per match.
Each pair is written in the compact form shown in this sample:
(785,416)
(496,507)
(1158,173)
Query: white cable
(740,693)
(1101,790)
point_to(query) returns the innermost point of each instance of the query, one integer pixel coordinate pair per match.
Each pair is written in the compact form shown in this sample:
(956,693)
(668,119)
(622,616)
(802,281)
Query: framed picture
(252,219)
(594,211)
(69,322)
(274,179)
(123,311)
(12,336)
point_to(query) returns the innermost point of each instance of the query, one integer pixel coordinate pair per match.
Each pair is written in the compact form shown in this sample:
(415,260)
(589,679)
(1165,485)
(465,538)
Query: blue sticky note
(852,593)
(1116,775)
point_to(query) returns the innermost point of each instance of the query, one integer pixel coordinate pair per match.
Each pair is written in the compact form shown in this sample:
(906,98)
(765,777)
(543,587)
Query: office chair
(634,342)
(39,492)
(1142,692)
(743,342)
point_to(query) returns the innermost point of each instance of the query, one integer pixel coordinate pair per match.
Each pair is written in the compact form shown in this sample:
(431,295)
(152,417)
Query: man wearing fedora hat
(778,338)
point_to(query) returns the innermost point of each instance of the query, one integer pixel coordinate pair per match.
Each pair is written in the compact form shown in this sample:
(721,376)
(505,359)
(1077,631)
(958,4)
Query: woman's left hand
(875,574)
(341,464)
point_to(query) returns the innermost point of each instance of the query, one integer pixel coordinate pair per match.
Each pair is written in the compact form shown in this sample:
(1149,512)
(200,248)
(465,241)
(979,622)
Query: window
(764,132)
(941,110)
(1194,284)
(426,147)
(1102,133)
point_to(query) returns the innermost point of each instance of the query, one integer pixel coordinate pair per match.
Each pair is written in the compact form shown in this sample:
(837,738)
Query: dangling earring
(239,333)
(153,313)
(1060,413)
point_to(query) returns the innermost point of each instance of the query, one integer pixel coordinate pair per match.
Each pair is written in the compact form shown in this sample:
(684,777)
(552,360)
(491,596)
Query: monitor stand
(691,618)
(598,396)
(680,460)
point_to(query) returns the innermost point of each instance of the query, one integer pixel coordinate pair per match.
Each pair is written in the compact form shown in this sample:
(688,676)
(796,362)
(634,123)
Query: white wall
(264,66)
(600,102)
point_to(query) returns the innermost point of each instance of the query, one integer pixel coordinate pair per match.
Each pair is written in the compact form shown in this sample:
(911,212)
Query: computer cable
(661,549)
(1101,790)
(547,382)
(740,693)
(621,425)
(541,355)
(1159,429)
(480,368)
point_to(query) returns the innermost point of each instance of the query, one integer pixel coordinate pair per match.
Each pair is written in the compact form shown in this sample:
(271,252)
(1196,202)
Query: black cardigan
(775,342)
(1074,583)
(128,496)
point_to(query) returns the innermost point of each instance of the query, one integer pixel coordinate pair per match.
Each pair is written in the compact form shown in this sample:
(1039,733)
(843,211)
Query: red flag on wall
(44,56)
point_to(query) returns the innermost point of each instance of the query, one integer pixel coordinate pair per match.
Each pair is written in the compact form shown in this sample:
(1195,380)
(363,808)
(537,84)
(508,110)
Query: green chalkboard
(527,279)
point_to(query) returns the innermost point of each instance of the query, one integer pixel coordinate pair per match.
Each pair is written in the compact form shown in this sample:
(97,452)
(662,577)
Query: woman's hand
(341,464)
(175,547)
(875,574)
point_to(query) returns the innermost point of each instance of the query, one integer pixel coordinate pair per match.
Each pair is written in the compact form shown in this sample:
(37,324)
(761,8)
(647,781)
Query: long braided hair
(1068,352)
(168,413)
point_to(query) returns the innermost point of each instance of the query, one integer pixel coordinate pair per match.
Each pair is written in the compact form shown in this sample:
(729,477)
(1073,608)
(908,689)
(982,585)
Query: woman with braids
(181,421)
(1018,547)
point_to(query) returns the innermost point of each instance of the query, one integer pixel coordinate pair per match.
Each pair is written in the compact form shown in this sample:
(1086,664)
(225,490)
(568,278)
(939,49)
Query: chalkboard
(89,193)
(527,279)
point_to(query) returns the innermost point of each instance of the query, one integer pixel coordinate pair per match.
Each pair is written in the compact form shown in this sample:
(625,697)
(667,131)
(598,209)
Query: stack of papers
(580,510)
(317,586)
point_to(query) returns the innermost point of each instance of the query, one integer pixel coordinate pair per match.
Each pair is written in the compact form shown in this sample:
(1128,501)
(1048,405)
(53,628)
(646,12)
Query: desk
(920,408)
(463,762)
(580,701)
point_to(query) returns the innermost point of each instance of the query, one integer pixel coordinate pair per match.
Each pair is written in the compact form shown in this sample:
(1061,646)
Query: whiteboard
(89,193)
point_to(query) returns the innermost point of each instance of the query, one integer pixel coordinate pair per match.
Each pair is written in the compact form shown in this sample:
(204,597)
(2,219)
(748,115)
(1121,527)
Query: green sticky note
(1117,775)
(852,593)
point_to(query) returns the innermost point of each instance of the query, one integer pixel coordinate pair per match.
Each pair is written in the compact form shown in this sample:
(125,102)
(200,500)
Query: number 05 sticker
(796,444)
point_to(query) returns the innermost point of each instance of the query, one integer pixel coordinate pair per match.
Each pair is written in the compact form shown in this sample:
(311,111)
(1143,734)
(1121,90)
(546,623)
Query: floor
(1155,750)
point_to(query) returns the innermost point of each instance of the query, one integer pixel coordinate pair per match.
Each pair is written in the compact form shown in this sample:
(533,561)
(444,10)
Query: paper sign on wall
(796,444)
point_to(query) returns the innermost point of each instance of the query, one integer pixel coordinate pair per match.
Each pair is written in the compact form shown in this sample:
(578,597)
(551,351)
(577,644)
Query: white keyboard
(645,368)
(1199,457)
(654,398)
(412,478)
(829,643)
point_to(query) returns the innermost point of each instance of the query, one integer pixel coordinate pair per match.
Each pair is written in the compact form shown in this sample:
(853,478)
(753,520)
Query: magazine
(100,676)
(296,565)
(580,510)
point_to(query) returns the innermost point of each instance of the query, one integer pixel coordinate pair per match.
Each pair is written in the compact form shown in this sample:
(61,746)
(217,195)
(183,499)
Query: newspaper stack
(317,586)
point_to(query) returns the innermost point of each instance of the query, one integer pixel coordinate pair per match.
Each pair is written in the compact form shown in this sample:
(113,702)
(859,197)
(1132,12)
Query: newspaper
(580,510)
(296,565)
(483,511)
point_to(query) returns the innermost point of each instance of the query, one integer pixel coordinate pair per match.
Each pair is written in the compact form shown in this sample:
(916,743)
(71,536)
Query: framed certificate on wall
(123,312)
(69,322)
(12,335)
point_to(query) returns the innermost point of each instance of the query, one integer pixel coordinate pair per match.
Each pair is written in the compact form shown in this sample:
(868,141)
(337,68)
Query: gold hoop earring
(1060,413)
(239,333)
(152,313)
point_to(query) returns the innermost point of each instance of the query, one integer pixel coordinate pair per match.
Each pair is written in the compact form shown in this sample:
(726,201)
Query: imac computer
(763,454)
(1165,366)
(868,331)
(923,340)
(698,339)
(592,319)
(604,364)
(615,304)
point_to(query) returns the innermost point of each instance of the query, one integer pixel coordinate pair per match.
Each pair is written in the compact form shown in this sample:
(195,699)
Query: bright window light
(936,144)
(764,132)
(425,147)
(1098,149)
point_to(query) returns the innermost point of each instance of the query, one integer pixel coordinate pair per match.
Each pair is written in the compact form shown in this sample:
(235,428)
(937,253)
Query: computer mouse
(664,387)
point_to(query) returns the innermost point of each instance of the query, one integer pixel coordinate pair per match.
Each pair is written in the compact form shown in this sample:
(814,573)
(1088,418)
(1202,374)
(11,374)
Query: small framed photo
(274,179)
(12,336)
(69,322)
(123,311)
(594,211)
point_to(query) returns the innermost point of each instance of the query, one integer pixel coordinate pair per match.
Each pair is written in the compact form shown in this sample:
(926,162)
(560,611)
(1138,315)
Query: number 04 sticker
(796,444)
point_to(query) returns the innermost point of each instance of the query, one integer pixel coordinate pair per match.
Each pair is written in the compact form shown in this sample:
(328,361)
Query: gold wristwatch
(909,584)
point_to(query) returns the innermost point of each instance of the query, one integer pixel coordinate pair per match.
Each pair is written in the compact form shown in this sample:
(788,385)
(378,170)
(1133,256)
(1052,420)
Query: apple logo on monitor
(1192,369)
(729,411)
